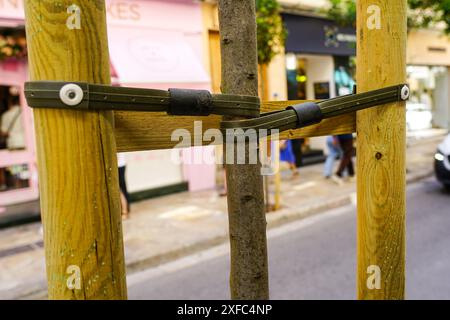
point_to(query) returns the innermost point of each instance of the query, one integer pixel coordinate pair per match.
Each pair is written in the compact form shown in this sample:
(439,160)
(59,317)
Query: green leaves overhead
(343,12)
(421,14)
(425,13)
(271,33)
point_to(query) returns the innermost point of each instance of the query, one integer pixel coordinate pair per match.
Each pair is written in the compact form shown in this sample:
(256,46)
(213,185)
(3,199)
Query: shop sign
(173,15)
(132,13)
(123,10)
(313,35)
(116,10)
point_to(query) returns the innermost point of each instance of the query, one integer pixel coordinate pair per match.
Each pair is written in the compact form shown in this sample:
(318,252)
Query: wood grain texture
(381,152)
(137,131)
(249,278)
(76,155)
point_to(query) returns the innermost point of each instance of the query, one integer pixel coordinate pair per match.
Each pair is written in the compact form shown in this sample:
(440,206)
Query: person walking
(11,125)
(124,195)
(287,155)
(334,151)
(346,144)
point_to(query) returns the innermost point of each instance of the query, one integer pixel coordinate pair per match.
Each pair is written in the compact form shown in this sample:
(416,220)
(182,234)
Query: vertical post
(76,154)
(381,61)
(247,221)
(448,97)
(277,176)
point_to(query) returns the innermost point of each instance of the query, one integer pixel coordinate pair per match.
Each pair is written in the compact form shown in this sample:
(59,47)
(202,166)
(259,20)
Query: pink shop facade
(152,44)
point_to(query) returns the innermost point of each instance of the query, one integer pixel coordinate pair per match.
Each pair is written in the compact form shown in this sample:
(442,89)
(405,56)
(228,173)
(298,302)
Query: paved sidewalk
(168,227)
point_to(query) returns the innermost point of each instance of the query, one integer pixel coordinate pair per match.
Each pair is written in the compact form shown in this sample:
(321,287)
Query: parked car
(418,116)
(442,162)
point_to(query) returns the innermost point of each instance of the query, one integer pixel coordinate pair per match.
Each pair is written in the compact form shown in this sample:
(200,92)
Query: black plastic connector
(185,102)
(307,113)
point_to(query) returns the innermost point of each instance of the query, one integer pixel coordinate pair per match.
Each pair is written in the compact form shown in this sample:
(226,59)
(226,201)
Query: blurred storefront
(18,172)
(319,65)
(158,44)
(314,40)
(428,59)
(316,63)
(154,44)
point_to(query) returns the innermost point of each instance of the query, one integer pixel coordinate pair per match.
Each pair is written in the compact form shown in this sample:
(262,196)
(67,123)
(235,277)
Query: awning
(146,55)
(313,35)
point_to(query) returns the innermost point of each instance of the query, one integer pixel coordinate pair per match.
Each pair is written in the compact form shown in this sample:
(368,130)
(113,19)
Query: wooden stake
(138,131)
(247,221)
(76,155)
(277,176)
(381,34)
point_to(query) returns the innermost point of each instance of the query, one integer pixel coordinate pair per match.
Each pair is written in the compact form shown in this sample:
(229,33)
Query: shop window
(296,77)
(14,177)
(344,74)
(11,122)
(321,90)
(428,103)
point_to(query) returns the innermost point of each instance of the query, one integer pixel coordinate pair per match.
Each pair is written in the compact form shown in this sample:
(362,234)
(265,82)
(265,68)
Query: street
(315,258)
(140,140)
(168,228)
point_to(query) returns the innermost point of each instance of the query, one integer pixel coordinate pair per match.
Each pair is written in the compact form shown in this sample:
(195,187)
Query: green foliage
(343,12)
(422,13)
(12,45)
(425,13)
(271,33)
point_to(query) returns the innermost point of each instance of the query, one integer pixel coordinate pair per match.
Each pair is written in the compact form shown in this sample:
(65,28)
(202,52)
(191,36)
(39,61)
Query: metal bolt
(405,93)
(71,94)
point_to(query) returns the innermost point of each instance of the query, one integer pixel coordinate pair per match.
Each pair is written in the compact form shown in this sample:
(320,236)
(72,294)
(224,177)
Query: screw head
(71,94)
(405,93)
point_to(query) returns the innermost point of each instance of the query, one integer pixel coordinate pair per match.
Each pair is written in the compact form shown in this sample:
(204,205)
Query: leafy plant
(271,33)
(343,12)
(12,46)
(425,13)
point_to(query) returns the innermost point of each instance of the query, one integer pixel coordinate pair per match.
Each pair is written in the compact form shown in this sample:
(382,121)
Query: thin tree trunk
(247,221)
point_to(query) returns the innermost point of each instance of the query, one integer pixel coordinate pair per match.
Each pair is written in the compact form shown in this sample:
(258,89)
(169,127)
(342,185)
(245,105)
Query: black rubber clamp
(307,113)
(185,102)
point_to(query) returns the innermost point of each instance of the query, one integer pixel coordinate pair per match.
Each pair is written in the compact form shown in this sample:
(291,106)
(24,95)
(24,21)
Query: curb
(274,219)
(413,142)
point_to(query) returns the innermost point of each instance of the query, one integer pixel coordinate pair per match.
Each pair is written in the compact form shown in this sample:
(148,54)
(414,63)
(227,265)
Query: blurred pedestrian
(3,185)
(124,195)
(11,128)
(334,151)
(287,155)
(346,144)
